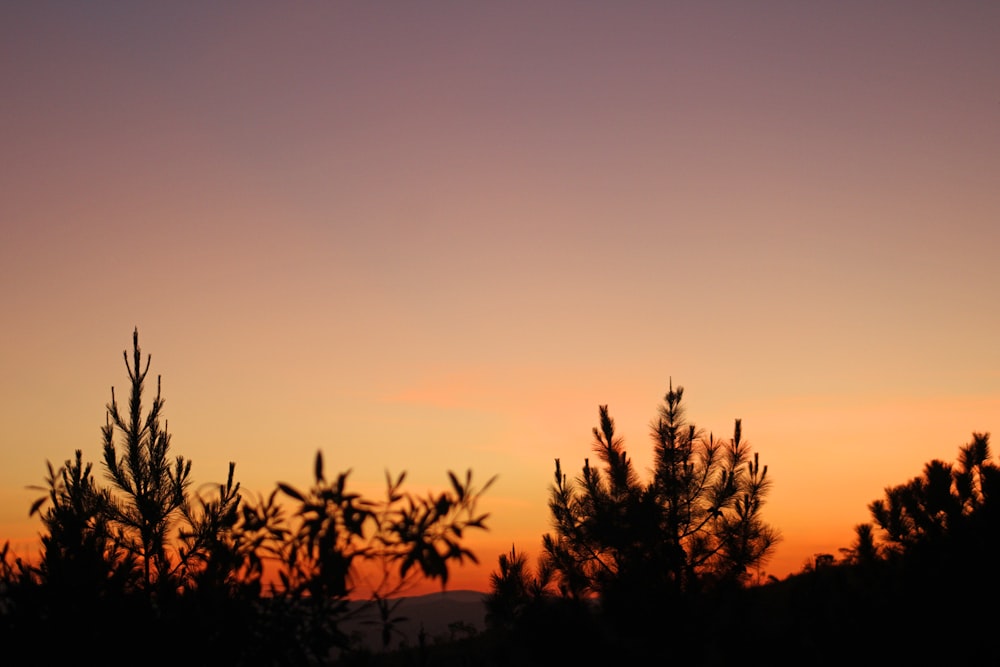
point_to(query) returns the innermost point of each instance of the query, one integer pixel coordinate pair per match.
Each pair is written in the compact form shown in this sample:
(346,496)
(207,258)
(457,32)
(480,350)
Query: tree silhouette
(945,509)
(80,555)
(150,490)
(864,550)
(924,567)
(641,569)
(514,588)
(696,523)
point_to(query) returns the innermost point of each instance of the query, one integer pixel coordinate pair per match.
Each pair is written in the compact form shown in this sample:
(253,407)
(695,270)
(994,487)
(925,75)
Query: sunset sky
(426,236)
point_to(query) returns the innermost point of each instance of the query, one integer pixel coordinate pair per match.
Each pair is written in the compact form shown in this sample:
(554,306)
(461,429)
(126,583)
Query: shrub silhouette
(945,507)
(648,556)
(696,523)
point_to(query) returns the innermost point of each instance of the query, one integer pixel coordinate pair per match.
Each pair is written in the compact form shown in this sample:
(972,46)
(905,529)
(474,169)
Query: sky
(437,236)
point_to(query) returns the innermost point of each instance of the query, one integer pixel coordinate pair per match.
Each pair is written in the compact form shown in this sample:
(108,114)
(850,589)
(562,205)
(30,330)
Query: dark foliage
(636,569)
(947,509)
(140,569)
(146,571)
(918,586)
(695,524)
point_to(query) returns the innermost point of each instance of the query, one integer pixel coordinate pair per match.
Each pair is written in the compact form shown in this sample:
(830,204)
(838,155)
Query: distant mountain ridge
(441,616)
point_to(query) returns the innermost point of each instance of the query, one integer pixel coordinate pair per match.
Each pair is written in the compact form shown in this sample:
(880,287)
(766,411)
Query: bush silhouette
(696,523)
(647,556)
